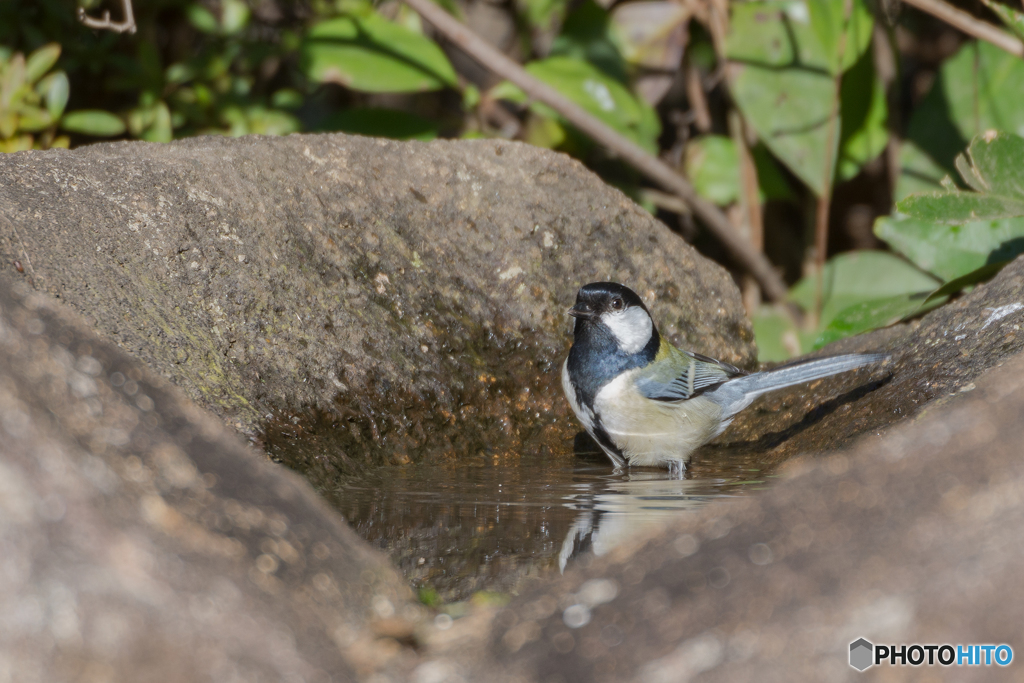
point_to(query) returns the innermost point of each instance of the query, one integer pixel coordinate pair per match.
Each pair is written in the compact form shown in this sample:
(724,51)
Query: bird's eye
(617,304)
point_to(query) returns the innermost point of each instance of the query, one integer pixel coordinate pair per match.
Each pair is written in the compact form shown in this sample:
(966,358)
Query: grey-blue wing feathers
(683,376)
(690,374)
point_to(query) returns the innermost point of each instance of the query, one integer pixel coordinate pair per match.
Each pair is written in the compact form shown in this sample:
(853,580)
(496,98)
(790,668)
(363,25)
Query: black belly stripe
(601,436)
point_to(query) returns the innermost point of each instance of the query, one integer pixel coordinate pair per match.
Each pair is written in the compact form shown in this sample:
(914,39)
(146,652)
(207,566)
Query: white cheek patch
(632,328)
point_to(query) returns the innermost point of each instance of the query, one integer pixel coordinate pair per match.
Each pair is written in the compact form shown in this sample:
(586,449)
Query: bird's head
(616,310)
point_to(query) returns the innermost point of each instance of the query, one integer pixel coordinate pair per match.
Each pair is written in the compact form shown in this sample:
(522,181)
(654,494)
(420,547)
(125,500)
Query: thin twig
(664,200)
(698,100)
(750,201)
(126,26)
(634,155)
(982,30)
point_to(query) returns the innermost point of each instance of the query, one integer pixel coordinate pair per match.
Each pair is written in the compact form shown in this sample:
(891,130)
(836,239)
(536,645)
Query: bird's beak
(581,311)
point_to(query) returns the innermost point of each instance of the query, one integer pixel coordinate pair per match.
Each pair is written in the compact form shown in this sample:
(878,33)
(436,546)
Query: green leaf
(856,277)
(287,98)
(41,61)
(8,124)
(179,72)
(160,130)
(827,19)
(975,91)
(542,131)
(864,114)
(712,165)
(265,121)
(384,123)
(952,251)
(1013,19)
(941,231)
(95,122)
(796,34)
(55,90)
(777,336)
(34,119)
(586,36)
(787,56)
(770,178)
(470,97)
(870,315)
(371,54)
(996,163)
(202,19)
(602,96)
(13,78)
(918,171)
(983,274)
(543,14)
(957,208)
(651,33)
(790,109)
(234,16)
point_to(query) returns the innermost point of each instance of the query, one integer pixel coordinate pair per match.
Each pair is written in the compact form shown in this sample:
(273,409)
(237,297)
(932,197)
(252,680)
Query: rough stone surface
(387,285)
(909,537)
(140,540)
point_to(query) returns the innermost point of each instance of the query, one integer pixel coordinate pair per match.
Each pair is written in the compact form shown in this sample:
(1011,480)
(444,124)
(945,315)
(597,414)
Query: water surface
(494,522)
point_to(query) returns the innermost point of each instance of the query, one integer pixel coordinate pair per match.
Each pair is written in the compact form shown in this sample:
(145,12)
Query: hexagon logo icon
(861,654)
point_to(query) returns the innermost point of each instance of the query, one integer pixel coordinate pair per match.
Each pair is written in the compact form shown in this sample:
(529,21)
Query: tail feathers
(737,394)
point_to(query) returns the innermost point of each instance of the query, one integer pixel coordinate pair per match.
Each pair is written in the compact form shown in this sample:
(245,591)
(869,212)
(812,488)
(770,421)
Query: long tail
(737,394)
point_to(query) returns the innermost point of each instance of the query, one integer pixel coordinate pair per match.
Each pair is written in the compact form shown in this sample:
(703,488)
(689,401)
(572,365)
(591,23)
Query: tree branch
(976,28)
(126,26)
(746,256)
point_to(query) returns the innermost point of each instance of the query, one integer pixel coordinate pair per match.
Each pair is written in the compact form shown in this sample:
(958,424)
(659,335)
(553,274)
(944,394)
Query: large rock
(140,540)
(411,295)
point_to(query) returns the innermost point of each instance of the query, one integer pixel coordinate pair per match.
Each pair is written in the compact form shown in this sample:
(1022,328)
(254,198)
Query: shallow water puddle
(493,523)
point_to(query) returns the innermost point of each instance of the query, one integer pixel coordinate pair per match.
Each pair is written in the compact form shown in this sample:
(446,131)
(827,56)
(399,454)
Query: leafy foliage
(976,90)
(961,235)
(860,291)
(368,53)
(32,100)
(592,89)
(788,61)
(790,84)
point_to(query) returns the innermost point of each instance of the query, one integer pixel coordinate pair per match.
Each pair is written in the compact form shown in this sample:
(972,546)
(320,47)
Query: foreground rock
(141,541)
(413,295)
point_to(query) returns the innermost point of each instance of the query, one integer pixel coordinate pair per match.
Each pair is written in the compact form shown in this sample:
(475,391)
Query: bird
(647,403)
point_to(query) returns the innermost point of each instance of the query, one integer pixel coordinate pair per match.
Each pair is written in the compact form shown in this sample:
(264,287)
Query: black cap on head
(594,299)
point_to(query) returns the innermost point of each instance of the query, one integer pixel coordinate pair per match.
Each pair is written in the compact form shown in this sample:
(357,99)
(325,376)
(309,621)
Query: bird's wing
(689,375)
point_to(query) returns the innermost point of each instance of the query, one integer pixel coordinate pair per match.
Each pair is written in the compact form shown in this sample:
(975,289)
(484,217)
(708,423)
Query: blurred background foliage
(870,114)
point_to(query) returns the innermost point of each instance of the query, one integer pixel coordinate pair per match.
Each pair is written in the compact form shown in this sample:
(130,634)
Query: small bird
(647,403)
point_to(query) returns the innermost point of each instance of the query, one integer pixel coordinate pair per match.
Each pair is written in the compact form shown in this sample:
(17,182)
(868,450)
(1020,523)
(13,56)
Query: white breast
(654,433)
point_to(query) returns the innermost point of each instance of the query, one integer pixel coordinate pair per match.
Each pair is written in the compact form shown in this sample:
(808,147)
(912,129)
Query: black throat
(595,358)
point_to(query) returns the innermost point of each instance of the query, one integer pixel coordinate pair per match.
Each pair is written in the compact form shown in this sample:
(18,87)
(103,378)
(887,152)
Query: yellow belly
(655,433)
